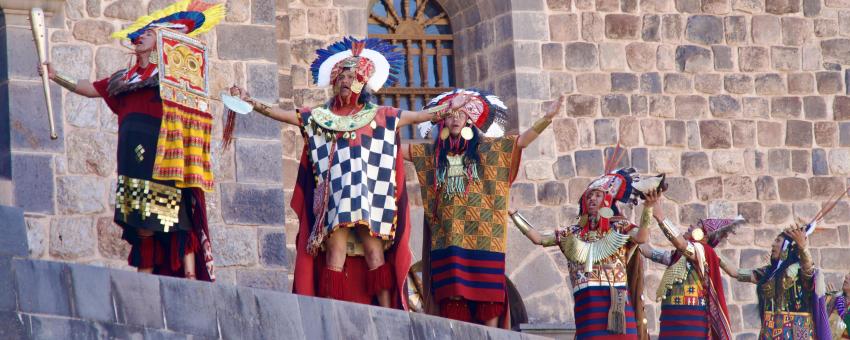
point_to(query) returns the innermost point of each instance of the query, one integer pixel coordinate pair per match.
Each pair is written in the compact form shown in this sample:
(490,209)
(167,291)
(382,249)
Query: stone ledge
(62,300)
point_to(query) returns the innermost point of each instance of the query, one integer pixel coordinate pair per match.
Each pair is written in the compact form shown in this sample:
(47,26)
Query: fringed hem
(379,279)
(455,310)
(332,284)
(161,249)
(485,311)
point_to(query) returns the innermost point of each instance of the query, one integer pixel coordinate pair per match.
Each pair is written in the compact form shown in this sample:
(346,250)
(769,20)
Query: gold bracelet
(541,124)
(668,229)
(66,82)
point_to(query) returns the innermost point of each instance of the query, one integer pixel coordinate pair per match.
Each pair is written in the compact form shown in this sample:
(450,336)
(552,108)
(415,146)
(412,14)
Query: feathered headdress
(714,230)
(196,16)
(490,115)
(384,62)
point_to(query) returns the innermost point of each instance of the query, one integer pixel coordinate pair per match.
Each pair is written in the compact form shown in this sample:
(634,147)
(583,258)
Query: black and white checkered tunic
(362,178)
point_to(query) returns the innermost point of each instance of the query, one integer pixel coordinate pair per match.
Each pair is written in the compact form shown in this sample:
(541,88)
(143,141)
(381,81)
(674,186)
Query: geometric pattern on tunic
(477,220)
(362,176)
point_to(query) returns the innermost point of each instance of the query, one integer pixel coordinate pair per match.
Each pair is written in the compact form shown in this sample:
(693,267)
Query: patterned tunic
(468,233)
(362,178)
(592,290)
(786,305)
(684,302)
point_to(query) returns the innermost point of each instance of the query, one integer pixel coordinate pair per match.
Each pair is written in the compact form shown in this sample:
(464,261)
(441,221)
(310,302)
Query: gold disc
(466,133)
(606,212)
(697,234)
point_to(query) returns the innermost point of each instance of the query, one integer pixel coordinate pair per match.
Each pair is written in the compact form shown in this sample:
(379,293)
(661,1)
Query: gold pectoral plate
(326,119)
(590,253)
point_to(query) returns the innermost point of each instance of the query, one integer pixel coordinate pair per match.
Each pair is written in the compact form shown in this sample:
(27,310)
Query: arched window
(421,30)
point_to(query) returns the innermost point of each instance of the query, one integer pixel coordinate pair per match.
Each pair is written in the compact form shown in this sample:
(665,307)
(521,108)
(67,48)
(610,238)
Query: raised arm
(536,237)
(435,113)
(276,113)
(656,255)
(80,87)
(667,227)
(798,234)
(540,125)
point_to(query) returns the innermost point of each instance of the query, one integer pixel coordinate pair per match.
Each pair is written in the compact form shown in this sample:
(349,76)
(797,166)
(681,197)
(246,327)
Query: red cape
(308,268)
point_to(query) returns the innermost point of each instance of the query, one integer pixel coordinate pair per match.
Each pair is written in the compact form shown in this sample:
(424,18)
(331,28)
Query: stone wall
(66,186)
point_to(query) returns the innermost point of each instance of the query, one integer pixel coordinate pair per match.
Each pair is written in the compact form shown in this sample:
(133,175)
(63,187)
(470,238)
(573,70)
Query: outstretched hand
(798,234)
(237,91)
(459,101)
(555,108)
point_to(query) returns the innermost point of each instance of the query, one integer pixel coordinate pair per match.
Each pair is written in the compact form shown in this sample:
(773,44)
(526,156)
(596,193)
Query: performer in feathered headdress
(161,182)
(350,196)
(791,290)
(606,270)
(465,176)
(693,304)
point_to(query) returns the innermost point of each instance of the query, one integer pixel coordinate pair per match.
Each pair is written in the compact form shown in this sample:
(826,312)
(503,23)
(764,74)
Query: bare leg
(144,233)
(336,249)
(494,322)
(374,249)
(189,266)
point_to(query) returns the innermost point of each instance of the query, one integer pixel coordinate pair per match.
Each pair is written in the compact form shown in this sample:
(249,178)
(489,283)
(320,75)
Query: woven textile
(787,326)
(469,232)
(683,322)
(362,180)
(183,149)
(591,313)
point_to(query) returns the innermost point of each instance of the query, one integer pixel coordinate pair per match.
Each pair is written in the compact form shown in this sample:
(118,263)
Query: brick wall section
(66,186)
(742,103)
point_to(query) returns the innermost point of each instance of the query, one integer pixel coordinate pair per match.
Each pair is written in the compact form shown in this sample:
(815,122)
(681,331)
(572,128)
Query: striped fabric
(591,313)
(183,149)
(476,275)
(683,322)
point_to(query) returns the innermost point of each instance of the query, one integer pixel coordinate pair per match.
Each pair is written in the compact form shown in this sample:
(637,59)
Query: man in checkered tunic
(465,176)
(350,196)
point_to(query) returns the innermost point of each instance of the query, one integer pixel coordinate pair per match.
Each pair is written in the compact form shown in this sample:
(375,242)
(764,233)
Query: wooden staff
(39,35)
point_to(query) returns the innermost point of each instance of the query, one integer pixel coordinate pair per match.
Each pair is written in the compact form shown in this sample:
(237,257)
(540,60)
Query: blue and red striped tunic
(591,311)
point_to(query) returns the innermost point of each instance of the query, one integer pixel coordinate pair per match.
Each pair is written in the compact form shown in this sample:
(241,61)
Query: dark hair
(470,153)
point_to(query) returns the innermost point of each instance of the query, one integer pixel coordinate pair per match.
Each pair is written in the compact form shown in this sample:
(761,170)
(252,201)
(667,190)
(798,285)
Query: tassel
(379,279)
(229,125)
(617,311)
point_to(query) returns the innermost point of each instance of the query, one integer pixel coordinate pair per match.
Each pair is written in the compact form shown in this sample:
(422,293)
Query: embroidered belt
(148,198)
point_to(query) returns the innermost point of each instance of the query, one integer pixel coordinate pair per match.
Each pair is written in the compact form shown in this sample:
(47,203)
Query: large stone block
(578,105)
(43,287)
(246,42)
(239,317)
(793,189)
(14,240)
(259,161)
(738,188)
(829,82)
(109,242)
(125,9)
(770,84)
(756,107)
(836,50)
(188,307)
(580,56)
(588,163)
(800,161)
(785,58)
(796,31)
(92,293)
(724,106)
(798,133)
(13,325)
(691,107)
(49,327)
(28,125)
(708,83)
(272,250)
(705,29)
(92,153)
(782,6)
(743,133)
(317,318)
(393,324)
(81,194)
(94,31)
(693,59)
(235,246)
(675,132)
(563,27)
(715,134)
(779,161)
(841,108)
(33,179)
(801,83)
(820,166)
(137,299)
(650,83)
(753,58)
(738,83)
(736,29)
(72,237)
(677,83)
(622,26)
(641,56)
(264,279)
(252,204)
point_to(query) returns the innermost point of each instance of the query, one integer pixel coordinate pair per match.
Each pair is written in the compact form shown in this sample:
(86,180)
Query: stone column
(26,150)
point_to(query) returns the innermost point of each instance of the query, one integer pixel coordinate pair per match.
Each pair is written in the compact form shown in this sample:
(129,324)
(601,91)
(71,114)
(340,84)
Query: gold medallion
(697,234)
(444,133)
(606,212)
(466,133)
